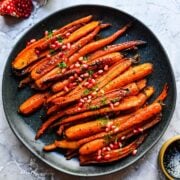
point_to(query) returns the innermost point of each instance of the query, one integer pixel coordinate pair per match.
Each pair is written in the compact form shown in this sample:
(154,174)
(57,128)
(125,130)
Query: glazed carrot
(97,44)
(129,76)
(28,55)
(45,125)
(115,48)
(60,85)
(142,116)
(33,103)
(113,155)
(94,65)
(163,94)
(127,103)
(64,100)
(59,94)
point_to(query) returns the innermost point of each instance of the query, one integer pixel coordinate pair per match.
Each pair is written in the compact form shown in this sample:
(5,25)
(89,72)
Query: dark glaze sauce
(172,159)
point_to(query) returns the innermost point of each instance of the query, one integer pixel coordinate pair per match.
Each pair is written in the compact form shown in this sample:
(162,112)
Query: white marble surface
(162,17)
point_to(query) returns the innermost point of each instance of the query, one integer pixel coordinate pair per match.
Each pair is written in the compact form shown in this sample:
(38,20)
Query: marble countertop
(162,17)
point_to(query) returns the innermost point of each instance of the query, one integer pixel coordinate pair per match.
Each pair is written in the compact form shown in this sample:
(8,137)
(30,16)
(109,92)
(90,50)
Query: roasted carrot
(24,82)
(113,155)
(97,44)
(115,48)
(60,85)
(127,103)
(129,76)
(142,116)
(33,103)
(28,55)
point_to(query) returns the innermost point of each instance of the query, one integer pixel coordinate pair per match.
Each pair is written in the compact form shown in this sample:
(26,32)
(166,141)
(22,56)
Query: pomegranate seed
(120,144)
(108,149)
(60,54)
(82,100)
(68,34)
(32,40)
(85,66)
(80,58)
(48,55)
(123,137)
(79,108)
(53,46)
(90,86)
(104,148)
(77,65)
(75,75)
(80,79)
(54,30)
(86,84)
(68,45)
(70,85)
(37,52)
(86,75)
(107,129)
(99,157)
(71,77)
(135,131)
(94,93)
(113,126)
(140,130)
(80,104)
(74,83)
(89,96)
(134,152)
(66,89)
(116,146)
(116,130)
(82,75)
(111,146)
(99,152)
(64,47)
(93,81)
(63,70)
(72,66)
(111,105)
(116,103)
(107,156)
(85,98)
(106,67)
(100,71)
(46,33)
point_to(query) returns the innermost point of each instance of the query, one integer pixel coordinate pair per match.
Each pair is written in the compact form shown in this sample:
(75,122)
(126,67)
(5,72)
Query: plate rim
(59,169)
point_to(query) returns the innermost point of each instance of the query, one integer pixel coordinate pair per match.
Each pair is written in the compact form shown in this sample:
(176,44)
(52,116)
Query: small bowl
(169,150)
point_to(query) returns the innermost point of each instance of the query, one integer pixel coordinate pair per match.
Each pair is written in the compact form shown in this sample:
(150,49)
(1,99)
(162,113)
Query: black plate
(25,127)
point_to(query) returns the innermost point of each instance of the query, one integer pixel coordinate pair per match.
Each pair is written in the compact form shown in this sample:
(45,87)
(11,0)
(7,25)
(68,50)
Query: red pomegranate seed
(64,47)
(107,129)
(95,75)
(100,71)
(48,55)
(70,85)
(85,98)
(116,104)
(135,131)
(60,54)
(113,126)
(106,67)
(80,104)
(111,105)
(85,66)
(72,66)
(37,52)
(79,108)
(120,144)
(71,77)
(93,81)
(140,130)
(68,34)
(104,149)
(68,45)
(99,152)
(89,100)
(111,146)
(99,157)
(86,74)
(86,83)
(80,79)
(90,86)
(116,146)
(32,40)
(89,96)
(63,70)
(53,46)
(46,33)
(74,83)
(54,30)
(77,65)
(82,100)
(66,89)
(116,130)
(75,75)
(134,152)
(82,75)
(123,137)
(109,124)
(107,156)
(108,149)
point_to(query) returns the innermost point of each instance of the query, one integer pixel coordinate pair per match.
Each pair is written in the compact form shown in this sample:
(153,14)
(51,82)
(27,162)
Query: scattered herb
(103,121)
(86,92)
(108,138)
(85,58)
(115,100)
(51,51)
(62,65)
(105,47)
(90,72)
(94,88)
(60,39)
(50,34)
(94,107)
(104,101)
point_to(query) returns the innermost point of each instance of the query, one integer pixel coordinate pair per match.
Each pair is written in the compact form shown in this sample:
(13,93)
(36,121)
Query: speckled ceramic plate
(26,127)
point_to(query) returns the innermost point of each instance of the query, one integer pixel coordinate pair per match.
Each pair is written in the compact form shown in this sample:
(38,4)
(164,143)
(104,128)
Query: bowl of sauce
(169,158)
